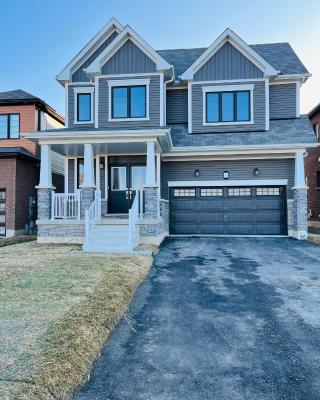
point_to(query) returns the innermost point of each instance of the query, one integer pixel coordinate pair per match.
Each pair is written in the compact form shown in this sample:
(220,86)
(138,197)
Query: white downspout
(165,96)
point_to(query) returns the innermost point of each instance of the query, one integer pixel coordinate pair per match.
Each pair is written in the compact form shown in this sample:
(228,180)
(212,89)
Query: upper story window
(9,126)
(129,100)
(83,112)
(227,105)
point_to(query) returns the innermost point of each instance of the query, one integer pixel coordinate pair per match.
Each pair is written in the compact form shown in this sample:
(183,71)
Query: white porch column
(88,178)
(299,180)
(45,167)
(151,165)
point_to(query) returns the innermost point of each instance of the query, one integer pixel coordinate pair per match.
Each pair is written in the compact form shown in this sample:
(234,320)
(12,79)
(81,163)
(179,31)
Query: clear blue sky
(39,37)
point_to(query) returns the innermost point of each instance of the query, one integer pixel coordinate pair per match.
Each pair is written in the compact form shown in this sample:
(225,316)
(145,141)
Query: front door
(125,181)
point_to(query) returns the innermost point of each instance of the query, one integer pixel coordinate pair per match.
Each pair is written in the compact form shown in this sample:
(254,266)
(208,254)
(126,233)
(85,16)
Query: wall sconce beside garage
(225,174)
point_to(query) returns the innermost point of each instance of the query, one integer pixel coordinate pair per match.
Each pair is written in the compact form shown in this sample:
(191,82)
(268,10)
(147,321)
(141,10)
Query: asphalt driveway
(219,318)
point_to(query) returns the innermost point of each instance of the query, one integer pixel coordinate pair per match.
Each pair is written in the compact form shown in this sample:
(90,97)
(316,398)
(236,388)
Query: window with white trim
(83,105)
(128,100)
(316,129)
(227,105)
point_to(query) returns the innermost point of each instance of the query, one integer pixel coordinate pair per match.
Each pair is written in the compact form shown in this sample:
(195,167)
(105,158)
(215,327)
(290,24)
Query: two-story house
(312,166)
(182,142)
(19,157)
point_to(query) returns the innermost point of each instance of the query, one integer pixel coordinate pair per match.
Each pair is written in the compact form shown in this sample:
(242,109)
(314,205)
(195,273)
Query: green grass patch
(57,307)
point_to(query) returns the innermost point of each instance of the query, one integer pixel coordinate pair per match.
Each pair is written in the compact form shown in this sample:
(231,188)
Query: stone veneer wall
(44,203)
(61,231)
(298,214)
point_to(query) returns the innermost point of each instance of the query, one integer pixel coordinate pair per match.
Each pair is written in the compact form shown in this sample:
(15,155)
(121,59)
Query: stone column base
(44,203)
(87,197)
(298,214)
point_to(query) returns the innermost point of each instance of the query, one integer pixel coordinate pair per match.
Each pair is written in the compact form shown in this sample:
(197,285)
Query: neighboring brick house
(19,157)
(312,166)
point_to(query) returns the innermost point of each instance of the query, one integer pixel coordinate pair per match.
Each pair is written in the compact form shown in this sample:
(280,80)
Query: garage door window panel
(211,192)
(184,192)
(268,191)
(239,192)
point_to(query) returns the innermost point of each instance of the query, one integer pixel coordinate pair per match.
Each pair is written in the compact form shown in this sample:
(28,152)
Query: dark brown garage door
(2,212)
(228,210)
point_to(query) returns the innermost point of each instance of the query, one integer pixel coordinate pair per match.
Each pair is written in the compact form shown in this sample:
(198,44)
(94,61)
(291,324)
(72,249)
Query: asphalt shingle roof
(280,55)
(282,131)
(17,95)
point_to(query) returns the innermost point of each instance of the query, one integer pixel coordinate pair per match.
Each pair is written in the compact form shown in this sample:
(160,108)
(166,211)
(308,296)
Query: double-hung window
(9,126)
(227,106)
(128,100)
(83,105)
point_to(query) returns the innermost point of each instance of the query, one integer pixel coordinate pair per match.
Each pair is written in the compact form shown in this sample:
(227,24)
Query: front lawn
(57,307)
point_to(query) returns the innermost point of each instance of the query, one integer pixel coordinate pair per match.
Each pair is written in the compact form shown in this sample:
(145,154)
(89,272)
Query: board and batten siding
(259,110)
(283,101)
(129,59)
(213,170)
(154,106)
(71,172)
(71,105)
(228,63)
(177,106)
(79,75)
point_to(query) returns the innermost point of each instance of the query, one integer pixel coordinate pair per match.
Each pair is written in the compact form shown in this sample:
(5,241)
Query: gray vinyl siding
(80,75)
(154,106)
(57,163)
(71,172)
(259,110)
(228,63)
(177,106)
(283,100)
(129,59)
(71,109)
(213,170)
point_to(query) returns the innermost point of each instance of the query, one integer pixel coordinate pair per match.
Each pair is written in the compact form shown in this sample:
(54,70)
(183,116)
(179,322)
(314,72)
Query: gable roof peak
(126,34)
(228,35)
(113,25)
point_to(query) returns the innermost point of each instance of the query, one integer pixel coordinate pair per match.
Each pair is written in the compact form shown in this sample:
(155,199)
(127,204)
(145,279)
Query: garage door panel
(228,210)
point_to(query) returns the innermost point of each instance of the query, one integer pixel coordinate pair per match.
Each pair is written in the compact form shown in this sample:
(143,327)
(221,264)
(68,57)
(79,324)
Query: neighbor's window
(84,107)
(9,126)
(129,102)
(228,106)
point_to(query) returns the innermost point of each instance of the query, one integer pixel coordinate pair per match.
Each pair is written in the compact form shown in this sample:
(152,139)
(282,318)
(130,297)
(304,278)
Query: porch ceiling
(77,149)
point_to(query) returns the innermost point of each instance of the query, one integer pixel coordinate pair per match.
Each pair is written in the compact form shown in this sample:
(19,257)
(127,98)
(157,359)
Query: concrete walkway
(219,318)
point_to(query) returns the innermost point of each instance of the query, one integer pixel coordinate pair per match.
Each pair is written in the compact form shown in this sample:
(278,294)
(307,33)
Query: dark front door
(228,210)
(124,181)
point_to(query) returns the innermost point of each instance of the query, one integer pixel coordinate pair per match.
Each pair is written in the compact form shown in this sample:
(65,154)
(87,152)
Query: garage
(259,210)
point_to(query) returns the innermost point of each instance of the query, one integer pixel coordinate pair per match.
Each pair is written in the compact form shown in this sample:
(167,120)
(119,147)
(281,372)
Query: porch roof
(70,141)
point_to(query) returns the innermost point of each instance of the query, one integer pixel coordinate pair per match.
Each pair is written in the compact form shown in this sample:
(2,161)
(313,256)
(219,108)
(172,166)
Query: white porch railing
(135,212)
(93,214)
(65,205)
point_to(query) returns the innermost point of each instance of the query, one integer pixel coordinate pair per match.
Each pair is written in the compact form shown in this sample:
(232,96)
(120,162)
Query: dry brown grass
(57,307)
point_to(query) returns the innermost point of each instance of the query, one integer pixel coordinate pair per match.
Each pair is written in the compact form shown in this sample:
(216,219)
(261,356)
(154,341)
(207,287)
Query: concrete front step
(120,248)
(113,221)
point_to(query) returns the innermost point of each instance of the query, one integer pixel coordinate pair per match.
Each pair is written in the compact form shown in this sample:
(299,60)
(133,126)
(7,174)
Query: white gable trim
(229,36)
(111,26)
(126,34)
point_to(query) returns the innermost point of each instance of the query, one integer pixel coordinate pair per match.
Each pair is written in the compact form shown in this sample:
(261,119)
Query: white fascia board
(230,182)
(126,34)
(111,26)
(229,36)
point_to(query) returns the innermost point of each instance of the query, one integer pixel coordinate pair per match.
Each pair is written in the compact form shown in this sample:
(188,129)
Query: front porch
(111,200)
